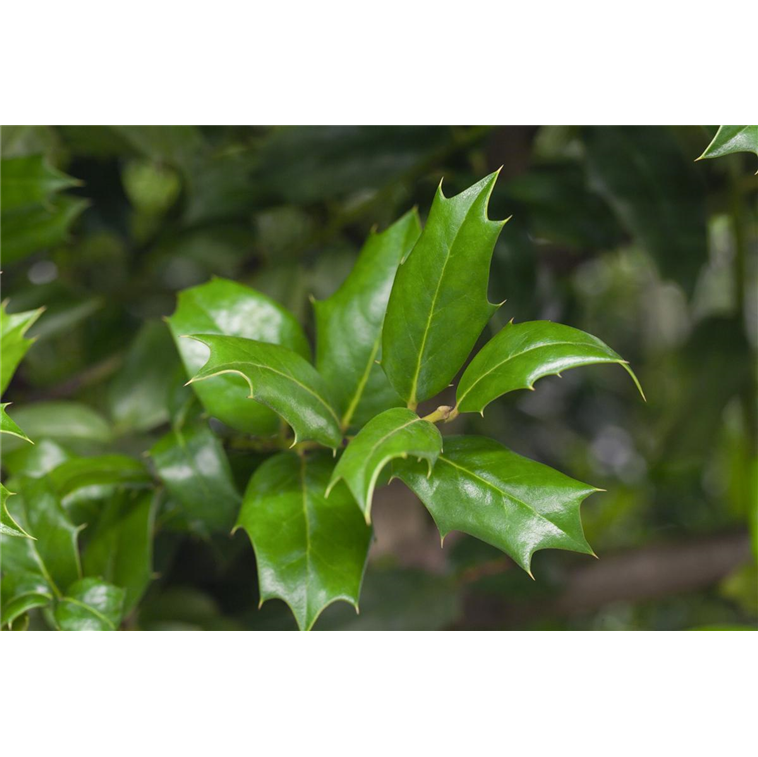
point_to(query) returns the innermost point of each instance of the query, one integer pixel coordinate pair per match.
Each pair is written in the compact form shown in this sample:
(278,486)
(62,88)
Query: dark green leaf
(438,305)
(311,551)
(395,433)
(20,593)
(349,326)
(280,379)
(53,553)
(524,352)
(30,181)
(483,489)
(120,547)
(36,460)
(90,605)
(731,139)
(102,471)
(227,308)
(193,465)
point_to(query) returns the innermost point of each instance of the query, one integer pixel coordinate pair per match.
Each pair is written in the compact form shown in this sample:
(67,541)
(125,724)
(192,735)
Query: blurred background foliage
(615,230)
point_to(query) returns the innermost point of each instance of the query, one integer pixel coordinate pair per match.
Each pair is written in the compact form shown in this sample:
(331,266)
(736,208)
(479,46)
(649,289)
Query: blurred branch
(632,576)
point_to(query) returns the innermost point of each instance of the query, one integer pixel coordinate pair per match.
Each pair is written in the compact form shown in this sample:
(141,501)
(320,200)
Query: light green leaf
(30,181)
(483,489)
(395,433)
(37,227)
(193,465)
(656,193)
(13,344)
(7,426)
(120,547)
(521,353)
(53,553)
(731,139)
(90,605)
(138,394)
(8,526)
(280,379)
(310,550)
(227,308)
(349,326)
(438,305)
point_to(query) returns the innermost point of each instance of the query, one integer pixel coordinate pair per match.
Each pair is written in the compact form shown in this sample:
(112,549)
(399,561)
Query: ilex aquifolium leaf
(104,471)
(8,426)
(30,180)
(349,326)
(225,307)
(524,352)
(13,344)
(90,605)
(280,379)
(517,505)
(438,305)
(21,592)
(8,526)
(731,139)
(395,433)
(192,464)
(311,550)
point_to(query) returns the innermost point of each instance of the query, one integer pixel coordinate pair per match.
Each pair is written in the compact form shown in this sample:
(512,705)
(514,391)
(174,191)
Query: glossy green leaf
(8,526)
(349,326)
(280,379)
(226,308)
(30,180)
(69,422)
(120,547)
(731,139)
(35,460)
(90,605)
(521,353)
(53,553)
(37,227)
(438,305)
(517,505)
(102,471)
(655,191)
(310,550)
(192,464)
(7,425)
(138,394)
(395,433)
(21,592)
(13,344)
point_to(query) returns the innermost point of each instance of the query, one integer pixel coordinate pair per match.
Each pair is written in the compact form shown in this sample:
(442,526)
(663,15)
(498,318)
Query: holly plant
(395,334)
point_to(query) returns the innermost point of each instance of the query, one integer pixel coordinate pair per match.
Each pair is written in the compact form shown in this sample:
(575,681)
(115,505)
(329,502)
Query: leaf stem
(442,413)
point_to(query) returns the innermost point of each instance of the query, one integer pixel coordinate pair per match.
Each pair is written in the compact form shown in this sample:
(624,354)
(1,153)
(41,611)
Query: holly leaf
(280,379)
(226,308)
(515,504)
(731,139)
(521,353)
(54,553)
(8,526)
(90,605)
(13,344)
(438,305)
(349,326)
(119,549)
(192,464)
(103,471)
(20,593)
(30,180)
(311,551)
(7,426)
(395,433)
